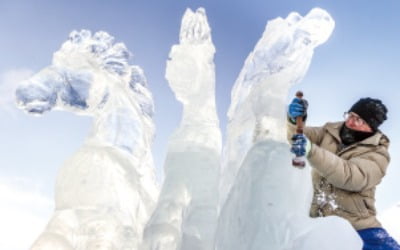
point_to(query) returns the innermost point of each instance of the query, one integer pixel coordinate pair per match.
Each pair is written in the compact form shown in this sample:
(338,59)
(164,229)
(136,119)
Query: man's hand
(301,146)
(297,108)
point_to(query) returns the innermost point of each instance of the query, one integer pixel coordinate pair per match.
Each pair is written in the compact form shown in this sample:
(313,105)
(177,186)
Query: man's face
(355,122)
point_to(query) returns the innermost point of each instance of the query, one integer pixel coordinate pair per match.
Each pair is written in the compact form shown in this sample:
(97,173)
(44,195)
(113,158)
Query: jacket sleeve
(356,174)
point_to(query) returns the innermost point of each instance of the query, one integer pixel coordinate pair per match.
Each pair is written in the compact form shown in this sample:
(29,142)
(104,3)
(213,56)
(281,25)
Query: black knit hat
(372,111)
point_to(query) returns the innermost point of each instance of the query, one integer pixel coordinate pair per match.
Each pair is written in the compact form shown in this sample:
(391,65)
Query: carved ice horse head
(91,75)
(108,185)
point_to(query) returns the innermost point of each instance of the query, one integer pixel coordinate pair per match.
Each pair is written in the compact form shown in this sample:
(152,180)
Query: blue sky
(360,59)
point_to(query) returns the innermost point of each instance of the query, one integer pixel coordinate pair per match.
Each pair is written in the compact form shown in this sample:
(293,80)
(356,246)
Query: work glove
(301,145)
(297,108)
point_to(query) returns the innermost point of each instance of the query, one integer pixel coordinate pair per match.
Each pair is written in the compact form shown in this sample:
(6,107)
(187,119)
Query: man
(348,160)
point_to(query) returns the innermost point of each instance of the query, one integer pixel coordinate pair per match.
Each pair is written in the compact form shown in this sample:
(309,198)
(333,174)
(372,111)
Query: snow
(106,191)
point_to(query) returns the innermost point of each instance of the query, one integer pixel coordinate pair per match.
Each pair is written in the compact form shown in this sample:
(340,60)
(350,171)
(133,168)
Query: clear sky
(360,59)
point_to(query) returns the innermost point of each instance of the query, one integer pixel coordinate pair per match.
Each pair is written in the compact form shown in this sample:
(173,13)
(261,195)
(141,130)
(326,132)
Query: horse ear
(138,84)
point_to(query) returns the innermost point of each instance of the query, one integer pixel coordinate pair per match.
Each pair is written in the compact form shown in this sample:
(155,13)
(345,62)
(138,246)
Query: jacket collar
(376,139)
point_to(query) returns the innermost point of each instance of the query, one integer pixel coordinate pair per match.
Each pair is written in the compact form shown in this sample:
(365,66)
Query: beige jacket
(344,180)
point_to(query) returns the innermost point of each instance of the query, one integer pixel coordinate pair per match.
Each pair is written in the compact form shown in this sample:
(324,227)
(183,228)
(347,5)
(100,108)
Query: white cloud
(24,212)
(390,219)
(9,81)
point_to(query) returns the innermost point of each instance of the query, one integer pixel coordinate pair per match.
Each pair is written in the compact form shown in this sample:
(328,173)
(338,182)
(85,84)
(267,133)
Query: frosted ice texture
(267,206)
(107,190)
(279,60)
(186,213)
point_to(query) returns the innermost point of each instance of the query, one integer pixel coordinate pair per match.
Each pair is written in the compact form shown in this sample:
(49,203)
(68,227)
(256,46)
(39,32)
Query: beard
(350,136)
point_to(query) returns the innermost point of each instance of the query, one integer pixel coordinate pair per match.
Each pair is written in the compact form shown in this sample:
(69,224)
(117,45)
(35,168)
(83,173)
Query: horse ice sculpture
(280,60)
(267,206)
(186,214)
(106,191)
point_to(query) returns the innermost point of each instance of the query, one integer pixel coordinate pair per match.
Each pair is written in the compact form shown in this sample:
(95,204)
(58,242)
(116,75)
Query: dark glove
(301,146)
(297,108)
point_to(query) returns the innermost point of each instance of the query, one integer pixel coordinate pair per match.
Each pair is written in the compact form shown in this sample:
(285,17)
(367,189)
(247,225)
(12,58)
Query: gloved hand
(301,146)
(297,108)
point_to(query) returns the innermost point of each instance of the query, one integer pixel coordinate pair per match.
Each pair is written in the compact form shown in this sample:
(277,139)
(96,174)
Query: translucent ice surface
(279,60)
(106,191)
(268,206)
(248,198)
(265,200)
(186,213)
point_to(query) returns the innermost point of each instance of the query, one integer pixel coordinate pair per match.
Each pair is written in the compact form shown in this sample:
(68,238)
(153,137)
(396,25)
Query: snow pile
(106,191)
(186,213)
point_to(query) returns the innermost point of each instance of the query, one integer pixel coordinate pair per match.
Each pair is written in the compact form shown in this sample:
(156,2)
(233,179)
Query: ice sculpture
(186,213)
(267,206)
(279,60)
(106,191)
